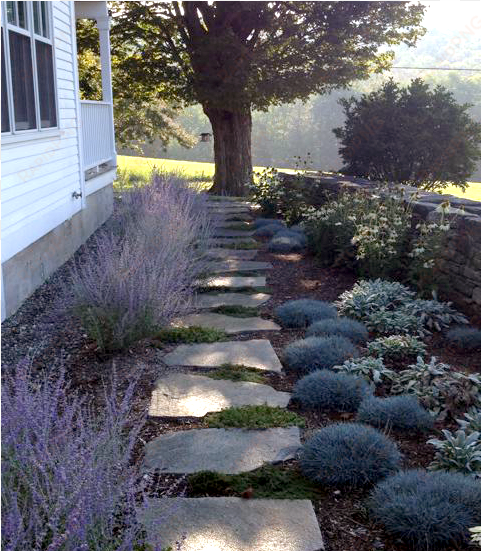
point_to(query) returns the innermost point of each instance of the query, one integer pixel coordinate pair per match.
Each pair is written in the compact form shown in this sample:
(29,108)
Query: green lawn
(203,172)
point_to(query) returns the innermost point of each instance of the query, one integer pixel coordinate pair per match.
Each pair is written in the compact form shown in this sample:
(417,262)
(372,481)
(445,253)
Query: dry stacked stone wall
(460,265)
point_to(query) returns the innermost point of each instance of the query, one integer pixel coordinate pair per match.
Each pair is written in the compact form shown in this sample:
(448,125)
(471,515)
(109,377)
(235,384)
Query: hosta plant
(396,347)
(459,452)
(471,421)
(372,369)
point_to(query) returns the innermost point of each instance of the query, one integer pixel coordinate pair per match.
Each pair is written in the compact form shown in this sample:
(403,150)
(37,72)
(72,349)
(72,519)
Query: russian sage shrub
(399,412)
(349,454)
(464,338)
(427,510)
(142,270)
(67,482)
(302,312)
(327,391)
(306,355)
(351,329)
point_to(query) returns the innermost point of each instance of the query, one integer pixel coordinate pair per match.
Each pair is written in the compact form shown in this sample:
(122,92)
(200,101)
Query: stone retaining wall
(460,266)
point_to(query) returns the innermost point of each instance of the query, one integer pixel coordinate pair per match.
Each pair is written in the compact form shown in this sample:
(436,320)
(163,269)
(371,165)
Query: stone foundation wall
(460,265)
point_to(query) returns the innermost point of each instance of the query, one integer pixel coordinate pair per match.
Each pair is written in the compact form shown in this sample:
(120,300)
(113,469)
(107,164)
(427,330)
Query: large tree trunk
(232,151)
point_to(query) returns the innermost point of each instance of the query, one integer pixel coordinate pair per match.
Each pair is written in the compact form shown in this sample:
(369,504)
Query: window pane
(22,81)
(5,116)
(44,32)
(22,15)
(36,17)
(46,88)
(11,16)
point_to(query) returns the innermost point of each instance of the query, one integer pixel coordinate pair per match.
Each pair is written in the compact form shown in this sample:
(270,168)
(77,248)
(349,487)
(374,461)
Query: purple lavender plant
(143,270)
(66,480)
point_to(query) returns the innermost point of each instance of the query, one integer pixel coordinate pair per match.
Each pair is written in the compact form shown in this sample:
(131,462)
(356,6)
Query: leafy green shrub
(254,417)
(395,322)
(189,335)
(345,327)
(370,296)
(459,452)
(464,338)
(233,372)
(371,369)
(327,391)
(302,312)
(435,315)
(471,421)
(349,454)
(284,244)
(438,387)
(399,412)
(306,355)
(427,510)
(397,347)
(267,190)
(267,230)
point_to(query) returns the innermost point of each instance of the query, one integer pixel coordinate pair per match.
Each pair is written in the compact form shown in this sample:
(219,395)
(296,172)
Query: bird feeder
(205,137)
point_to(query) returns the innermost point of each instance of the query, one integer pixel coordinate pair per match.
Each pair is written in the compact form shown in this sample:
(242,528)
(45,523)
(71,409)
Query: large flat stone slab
(228,451)
(216,241)
(233,265)
(232,524)
(253,353)
(188,395)
(234,282)
(210,300)
(231,254)
(220,232)
(229,324)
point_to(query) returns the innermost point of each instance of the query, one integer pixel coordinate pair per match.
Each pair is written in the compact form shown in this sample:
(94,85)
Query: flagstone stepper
(233,265)
(231,254)
(234,281)
(212,300)
(188,395)
(228,451)
(252,353)
(229,324)
(232,524)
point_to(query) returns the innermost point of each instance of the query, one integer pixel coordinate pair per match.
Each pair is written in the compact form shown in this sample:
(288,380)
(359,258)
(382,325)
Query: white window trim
(15,136)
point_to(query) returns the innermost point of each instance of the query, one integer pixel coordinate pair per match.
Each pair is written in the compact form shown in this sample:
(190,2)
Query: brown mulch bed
(38,329)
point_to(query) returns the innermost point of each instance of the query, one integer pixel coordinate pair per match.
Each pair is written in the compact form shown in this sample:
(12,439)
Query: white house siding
(40,175)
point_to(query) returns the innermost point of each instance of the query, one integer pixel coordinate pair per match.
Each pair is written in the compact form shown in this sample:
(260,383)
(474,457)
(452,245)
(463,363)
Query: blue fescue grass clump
(351,329)
(325,390)
(302,312)
(464,338)
(306,355)
(284,244)
(399,412)
(258,222)
(349,454)
(267,230)
(294,234)
(67,479)
(427,510)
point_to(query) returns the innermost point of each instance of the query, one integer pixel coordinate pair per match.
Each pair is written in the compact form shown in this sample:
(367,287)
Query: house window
(28,79)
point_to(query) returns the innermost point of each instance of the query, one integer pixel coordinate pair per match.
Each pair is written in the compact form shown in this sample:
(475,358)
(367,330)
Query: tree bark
(232,150)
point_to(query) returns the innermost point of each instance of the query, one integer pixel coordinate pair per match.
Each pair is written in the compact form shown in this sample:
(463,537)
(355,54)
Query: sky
(453,15)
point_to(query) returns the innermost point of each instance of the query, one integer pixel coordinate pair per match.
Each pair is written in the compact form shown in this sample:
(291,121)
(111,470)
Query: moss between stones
(254,417)
(279,482)
(241,373)
(188,335)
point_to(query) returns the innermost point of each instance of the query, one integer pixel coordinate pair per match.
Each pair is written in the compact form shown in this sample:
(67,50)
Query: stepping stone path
(225,523)
(187,395)
(250,300)
(229,324)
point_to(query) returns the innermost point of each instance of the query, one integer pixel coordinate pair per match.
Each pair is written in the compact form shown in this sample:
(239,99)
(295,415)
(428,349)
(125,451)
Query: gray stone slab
(229,324)
(219,232)
(232,524)
(188,395)
(216,241)
(228,451)
(231,254)
(252,353)
(234,281)
(210,300)
(233,265)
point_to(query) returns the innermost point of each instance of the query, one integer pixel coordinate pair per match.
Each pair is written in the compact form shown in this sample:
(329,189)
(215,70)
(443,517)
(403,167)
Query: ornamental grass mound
(467,339)
(299,235)
(302,312)
(428,511)
(349,454)
(267,230)
(325,390)
(306,355)
(351,329)
(284,244)
(399,412)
